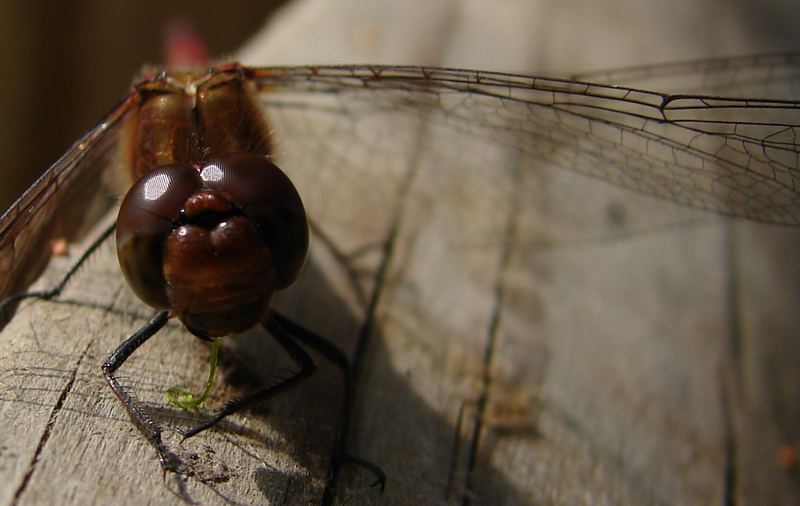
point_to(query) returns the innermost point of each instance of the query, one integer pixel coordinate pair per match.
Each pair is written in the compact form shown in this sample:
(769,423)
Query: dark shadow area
(307,415)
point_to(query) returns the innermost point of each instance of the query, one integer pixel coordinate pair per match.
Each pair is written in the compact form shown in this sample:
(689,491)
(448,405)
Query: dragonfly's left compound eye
(214,249)
(149,213)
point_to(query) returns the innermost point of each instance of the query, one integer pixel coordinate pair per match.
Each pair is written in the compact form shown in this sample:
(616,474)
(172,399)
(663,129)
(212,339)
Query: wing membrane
(734,156)
(57,204)
(776,76)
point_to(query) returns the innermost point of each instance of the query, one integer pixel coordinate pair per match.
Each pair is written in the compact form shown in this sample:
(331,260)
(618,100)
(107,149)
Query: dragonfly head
(212,244)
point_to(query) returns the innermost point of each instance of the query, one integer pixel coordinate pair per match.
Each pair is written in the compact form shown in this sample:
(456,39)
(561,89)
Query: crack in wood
(454,453)
(388,248)
(730,374)
(49,427)
(509,234)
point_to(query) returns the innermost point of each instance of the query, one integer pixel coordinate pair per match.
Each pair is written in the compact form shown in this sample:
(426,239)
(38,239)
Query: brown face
(211,244)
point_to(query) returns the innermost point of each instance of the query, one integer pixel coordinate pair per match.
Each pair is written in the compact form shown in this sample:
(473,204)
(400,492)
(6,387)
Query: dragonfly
(718,151)
(735,156)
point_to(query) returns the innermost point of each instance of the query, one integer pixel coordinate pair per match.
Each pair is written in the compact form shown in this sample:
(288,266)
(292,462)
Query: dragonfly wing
(733,156)
(59,204)
(776,76)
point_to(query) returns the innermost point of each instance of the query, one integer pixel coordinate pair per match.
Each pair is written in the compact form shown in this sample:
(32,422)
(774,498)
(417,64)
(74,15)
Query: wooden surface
(535,337)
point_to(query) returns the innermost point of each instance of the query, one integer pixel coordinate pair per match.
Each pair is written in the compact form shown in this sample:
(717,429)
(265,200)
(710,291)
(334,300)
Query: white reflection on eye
(211,173)
(156,186)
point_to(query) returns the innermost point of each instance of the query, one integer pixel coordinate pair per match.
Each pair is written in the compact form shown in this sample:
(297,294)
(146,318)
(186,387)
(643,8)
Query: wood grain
(527,335)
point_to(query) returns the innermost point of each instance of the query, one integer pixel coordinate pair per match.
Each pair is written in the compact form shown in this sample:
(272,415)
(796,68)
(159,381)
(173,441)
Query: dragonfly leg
(380,476)
(335,355)
(169,461)
(11,300)
(295,351)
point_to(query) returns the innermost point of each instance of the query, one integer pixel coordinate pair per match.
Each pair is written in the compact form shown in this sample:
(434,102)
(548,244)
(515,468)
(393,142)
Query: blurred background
(67,63)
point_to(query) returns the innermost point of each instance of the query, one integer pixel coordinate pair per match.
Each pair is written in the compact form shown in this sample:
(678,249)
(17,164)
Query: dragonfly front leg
(286,332)
(295,351)
(169,461)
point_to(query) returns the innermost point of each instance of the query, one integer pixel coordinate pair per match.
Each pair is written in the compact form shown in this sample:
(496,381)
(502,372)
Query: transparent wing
(775,76)
(734,156)
(58,204)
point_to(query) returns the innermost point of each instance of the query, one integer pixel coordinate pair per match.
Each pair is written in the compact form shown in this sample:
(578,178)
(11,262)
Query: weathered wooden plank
(607,381)
(89,438)
(538,337)
(598,391)
(761,372)
(76,442)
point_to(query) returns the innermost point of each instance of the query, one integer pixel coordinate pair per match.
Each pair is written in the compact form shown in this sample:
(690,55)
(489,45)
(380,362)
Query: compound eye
(149,212)
(268,198)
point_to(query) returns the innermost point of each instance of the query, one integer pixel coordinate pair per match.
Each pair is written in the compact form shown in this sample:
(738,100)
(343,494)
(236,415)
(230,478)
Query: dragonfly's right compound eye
(150,211)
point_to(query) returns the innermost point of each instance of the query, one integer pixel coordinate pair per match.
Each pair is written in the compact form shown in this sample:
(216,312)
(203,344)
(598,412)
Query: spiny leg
(169,461)
(284,329)
(332,353)
(56,290)
(300,357)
